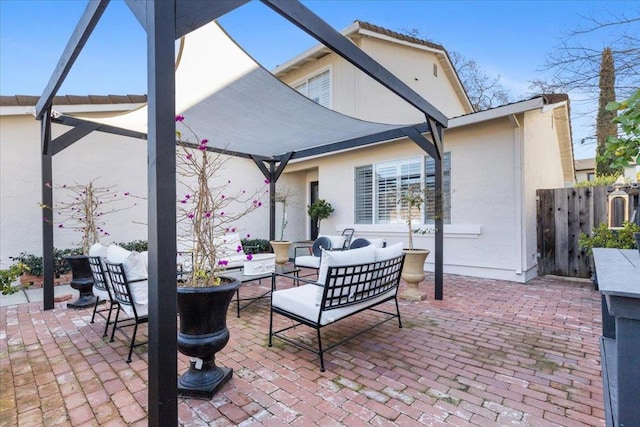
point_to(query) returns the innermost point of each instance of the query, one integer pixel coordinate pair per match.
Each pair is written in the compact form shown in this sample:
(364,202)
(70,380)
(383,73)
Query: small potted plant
(281,246)
(206,212)
(413,267)
(319,210)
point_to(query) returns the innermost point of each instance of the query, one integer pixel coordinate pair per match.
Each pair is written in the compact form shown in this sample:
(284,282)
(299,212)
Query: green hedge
(250,245)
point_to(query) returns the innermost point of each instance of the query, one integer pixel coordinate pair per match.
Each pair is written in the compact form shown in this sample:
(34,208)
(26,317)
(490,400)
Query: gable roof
(362,28)
(31,101)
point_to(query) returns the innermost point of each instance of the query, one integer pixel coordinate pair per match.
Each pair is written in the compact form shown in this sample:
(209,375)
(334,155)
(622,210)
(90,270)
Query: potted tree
(281,246)
(319,210)
(206,213)
(83,211)
(413,267)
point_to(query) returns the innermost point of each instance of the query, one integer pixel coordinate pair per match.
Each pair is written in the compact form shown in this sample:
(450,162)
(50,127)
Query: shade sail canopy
(231,100)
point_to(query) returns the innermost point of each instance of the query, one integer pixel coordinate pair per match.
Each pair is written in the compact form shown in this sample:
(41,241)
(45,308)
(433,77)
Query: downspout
(518,161)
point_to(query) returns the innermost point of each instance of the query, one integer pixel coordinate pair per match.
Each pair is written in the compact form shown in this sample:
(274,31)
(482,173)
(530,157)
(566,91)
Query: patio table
(244,278)
(618,277)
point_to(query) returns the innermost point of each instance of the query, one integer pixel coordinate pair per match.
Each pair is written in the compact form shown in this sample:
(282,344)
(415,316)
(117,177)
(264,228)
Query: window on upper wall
(378,190)
(317,88)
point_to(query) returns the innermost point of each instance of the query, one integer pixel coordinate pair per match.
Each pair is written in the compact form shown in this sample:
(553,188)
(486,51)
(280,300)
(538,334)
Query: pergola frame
(165,21)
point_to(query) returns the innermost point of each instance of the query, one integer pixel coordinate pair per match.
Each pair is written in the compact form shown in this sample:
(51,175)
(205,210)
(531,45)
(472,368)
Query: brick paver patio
(493,353)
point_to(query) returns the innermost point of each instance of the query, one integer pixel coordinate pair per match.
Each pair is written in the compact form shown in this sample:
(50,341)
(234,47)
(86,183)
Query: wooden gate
(563,215)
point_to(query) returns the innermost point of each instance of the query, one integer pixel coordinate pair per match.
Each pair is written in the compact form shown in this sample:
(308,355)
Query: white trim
(496,113)
(79,108)
(461,231)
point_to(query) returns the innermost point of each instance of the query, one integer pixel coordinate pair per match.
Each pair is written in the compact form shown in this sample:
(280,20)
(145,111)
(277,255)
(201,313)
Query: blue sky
(509,38)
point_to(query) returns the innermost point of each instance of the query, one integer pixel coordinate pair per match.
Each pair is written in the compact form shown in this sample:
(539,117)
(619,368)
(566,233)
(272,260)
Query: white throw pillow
(390,252)
(117,254)
(364,255)
(134,267)
(98,250)
(145,258)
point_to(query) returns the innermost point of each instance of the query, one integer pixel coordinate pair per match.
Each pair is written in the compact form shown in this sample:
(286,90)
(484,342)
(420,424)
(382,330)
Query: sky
(506,38)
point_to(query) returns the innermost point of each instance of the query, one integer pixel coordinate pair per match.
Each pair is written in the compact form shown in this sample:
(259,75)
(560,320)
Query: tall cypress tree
(604,126)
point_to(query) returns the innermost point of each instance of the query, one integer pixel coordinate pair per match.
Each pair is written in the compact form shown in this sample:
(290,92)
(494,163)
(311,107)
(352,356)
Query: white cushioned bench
(348,283)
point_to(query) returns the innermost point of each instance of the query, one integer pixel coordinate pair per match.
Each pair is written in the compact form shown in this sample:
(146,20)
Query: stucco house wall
(109,159)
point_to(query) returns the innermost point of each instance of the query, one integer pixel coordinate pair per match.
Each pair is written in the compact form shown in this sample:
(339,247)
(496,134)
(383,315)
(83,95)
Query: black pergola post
(47,210)
(161,149)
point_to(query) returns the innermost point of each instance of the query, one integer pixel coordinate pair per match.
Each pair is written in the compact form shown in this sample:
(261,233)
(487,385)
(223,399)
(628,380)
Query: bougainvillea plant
(209,209)
(84,210)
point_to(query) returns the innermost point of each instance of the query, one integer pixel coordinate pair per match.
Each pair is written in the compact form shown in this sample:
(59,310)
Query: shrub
(603,237)
(255,246)
(598,181)
(136,245)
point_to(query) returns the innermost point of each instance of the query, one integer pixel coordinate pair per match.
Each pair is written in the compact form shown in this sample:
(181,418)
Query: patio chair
(102,291)
(123,295)
(312,260)
(359,243)
(348,235)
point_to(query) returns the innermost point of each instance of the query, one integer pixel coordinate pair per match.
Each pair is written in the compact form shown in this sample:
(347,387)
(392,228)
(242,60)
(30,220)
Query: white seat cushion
(378,243)
(301,302)
(103,295)
(309,261)
(98,250)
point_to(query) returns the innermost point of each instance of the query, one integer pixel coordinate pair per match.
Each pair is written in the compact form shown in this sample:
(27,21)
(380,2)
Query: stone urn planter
(413,273)
(281,249)
(203,332)
(82,281)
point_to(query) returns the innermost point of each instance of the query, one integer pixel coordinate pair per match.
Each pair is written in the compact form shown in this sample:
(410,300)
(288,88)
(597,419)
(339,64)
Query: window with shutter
(364,195)
(379,187)
(317,88)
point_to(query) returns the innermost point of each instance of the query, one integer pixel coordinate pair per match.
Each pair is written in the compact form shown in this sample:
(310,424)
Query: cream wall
(356,94)
(482,239)
(112,160)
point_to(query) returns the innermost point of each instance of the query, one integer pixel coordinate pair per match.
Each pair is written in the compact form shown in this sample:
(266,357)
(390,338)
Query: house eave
(495,113)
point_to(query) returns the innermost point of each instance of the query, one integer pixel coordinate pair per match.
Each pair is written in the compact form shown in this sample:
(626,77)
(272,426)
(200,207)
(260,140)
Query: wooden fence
(563,215)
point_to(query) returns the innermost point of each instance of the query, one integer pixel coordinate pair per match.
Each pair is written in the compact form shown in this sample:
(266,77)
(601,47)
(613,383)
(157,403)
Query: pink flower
(266,181)
(248,235)
(126,194)
(208,214)
(221,213)
(239,248)
(179,118)
(60,226)
(223,262)
(191,215)
(189,156)
(233,230)
(249,257)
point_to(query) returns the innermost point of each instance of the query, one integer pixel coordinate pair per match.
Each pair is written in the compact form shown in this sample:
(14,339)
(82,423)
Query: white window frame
(306,79)
(375,167)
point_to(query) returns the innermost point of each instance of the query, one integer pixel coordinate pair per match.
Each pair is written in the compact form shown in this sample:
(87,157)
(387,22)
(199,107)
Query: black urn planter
(202,333)
(82,281)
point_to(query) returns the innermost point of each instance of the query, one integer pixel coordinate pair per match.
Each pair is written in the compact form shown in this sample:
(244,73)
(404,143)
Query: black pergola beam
(47,211)
(78,39)
(68,138)
(272,173)
(161,151)
(190,15)
(436,154)
(313,25)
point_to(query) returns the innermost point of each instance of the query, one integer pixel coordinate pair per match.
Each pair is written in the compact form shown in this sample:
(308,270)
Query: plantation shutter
(364,195)
(319,89)
(386,191)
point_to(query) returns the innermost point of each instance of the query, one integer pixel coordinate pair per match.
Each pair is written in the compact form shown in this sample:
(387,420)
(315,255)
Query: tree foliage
(484,91)
(574,64)
(605,127)
(622,150)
